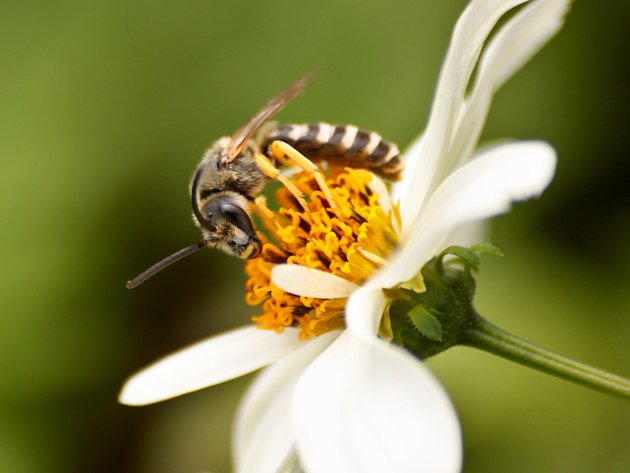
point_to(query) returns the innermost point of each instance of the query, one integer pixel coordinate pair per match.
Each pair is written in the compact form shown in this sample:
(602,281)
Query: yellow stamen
(341,229)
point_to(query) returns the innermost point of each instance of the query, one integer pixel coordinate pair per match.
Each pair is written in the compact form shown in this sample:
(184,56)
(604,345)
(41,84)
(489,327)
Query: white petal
(373,408)
(489,184)
(364,311)
(471,31)
(365,306)
(310,282)
(482,188)
(517,41)
(520,39)
(410,157)
(468,234)
(263,437)
(378,187)
(292,465)
(212,361)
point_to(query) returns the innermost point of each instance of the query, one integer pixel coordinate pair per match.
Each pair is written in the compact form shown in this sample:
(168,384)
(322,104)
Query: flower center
(350,239)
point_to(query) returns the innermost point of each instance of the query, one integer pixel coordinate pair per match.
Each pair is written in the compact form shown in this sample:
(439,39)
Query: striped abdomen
(344,145)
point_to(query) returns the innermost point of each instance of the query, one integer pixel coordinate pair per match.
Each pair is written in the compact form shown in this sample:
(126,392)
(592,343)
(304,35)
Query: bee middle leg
(281,150)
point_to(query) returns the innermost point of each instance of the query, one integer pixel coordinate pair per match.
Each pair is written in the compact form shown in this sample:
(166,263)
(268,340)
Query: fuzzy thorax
(349,239)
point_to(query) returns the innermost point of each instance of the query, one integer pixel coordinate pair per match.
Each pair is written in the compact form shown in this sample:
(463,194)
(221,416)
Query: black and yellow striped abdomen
(339,145)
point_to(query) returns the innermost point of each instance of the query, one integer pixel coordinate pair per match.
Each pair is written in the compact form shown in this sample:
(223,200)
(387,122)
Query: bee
(228,181)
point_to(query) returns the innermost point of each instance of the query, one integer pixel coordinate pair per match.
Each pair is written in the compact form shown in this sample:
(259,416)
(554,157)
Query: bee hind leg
(271,171)
(281,150)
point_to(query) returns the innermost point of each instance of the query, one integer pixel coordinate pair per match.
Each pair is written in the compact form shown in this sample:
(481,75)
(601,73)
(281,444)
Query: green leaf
(425,323)
(487,247)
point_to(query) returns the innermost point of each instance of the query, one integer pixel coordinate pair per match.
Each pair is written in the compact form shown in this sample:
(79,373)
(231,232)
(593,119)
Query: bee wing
(245,133)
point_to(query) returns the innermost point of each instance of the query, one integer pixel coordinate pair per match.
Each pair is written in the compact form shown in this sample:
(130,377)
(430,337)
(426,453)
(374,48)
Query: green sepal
(415,284)
(425,322)
(448,299)
(487,247)
(465,256)
(385,329)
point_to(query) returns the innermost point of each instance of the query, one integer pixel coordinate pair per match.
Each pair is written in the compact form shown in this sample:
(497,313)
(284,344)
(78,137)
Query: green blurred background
(105,109)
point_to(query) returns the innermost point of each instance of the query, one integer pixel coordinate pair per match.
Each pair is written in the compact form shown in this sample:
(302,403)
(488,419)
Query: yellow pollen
(345,233)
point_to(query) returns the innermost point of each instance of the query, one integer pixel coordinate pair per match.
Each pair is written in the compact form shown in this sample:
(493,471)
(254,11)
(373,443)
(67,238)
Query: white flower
(347,401)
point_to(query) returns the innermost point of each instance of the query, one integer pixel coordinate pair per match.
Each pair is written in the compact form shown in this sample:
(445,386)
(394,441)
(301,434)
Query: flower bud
(428,322)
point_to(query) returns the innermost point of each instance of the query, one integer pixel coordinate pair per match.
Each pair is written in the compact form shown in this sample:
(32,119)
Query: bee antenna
(195,203)
(159,266)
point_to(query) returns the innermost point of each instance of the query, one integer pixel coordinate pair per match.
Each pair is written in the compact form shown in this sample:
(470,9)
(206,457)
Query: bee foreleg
(280,150)
(271,171)
(265,212)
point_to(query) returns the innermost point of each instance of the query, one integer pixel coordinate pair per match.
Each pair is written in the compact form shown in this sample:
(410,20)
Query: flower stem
(485,336)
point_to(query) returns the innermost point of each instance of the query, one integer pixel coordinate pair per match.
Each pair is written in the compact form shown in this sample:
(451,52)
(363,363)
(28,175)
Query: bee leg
(267,215)
(271,171)
(280,150)
(265,212)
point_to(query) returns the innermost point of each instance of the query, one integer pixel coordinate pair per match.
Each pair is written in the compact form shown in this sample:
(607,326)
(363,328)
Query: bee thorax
(242,175)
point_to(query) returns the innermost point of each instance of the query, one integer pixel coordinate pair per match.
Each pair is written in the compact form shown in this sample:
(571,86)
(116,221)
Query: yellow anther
(350,240)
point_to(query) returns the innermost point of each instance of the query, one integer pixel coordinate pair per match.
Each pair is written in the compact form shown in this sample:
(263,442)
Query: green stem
(485,336)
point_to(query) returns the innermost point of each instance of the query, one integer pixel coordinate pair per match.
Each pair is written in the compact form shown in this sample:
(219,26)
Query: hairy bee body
(338,145)
(224,192)
(242,175)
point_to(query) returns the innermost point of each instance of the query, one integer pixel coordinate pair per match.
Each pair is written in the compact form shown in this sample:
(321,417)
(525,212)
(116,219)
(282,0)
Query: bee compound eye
(209,225)
(238,217)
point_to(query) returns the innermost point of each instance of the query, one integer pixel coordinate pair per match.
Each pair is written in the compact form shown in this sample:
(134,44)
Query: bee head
(226,225)
(225,222)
